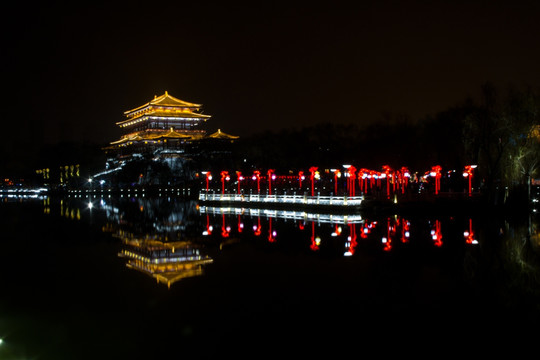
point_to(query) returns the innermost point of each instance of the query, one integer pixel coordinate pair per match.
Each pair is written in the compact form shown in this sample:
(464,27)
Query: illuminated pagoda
(165,129)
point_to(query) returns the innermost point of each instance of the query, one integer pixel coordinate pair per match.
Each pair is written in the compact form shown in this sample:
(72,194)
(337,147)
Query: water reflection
(348,230)
(171,239)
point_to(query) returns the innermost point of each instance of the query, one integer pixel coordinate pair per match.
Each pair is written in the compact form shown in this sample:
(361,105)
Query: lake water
(140,277)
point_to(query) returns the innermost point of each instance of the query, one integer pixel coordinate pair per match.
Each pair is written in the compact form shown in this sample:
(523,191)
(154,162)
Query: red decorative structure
(301,177)
(239,177)
(351,179)
(436,173)
(257,176)
(208,178)
(469,173)
(337,174)
(271,177)
(387,170)
(224,177)
(312,170)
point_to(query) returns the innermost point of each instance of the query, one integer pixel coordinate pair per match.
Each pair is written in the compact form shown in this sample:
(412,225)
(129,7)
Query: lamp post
(257,176)
(224,177)
(271,177)
(468,173)
(312,170)
(337,174)
(240,178)
(208,178)
(387,171)
(436,173)
(352,177)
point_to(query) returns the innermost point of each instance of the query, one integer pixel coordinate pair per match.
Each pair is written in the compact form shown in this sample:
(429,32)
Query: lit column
(337,174)
(352,177)
(387,171)
(208,178)
(224,177)
(239,178)
(257,176)
(469,174)
(436,173)
(271,177)
(313,170)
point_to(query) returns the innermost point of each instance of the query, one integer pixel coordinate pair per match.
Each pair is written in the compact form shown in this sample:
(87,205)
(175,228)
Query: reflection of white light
(318,241)
(475,242)
(465,233)
(433,173)
(407,234)
(384,240)
(334,234)
(254,227)
(210,177)
(274,233)
(205,232)
(434,237)
(347,253)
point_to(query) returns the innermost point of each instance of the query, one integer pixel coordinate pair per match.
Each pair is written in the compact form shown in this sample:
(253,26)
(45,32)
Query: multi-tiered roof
(163,120)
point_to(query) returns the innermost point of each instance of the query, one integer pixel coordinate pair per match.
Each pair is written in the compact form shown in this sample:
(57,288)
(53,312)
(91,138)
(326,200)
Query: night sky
(70,71)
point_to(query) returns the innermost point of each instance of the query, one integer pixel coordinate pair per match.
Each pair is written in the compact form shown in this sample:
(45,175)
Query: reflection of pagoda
(165,129)
(167,262)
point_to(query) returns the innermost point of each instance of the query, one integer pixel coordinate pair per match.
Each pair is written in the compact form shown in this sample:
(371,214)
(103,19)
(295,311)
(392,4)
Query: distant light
(1,341)
(90,205)
(90,180)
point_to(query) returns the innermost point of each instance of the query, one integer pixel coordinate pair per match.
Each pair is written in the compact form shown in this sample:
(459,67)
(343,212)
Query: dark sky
(71,70)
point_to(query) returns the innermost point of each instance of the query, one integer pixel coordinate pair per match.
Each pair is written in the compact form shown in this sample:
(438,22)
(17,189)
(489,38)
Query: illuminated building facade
(165,130)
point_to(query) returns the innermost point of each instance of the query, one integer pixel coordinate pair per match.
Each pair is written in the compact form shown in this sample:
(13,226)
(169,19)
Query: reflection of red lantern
(315,241)
(257,228)
(271,233)
(436,234)
(301,177)
(469,235)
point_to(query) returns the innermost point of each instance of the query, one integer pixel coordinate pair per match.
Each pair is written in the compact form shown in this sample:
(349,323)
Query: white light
(90,180)
(346,166)
(433,173)
(90,205)
(384,240)
(407,234)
